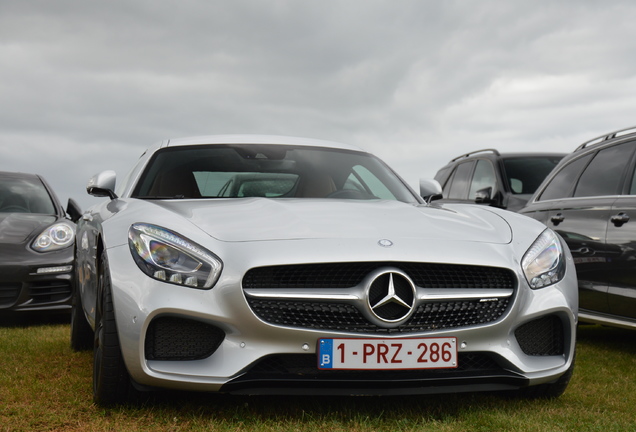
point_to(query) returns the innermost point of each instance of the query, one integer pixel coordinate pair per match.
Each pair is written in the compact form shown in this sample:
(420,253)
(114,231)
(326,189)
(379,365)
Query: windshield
(271,171)
(24,195)
(525,174)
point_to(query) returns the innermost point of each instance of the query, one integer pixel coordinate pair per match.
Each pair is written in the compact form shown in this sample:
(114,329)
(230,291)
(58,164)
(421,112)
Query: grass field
(44,386)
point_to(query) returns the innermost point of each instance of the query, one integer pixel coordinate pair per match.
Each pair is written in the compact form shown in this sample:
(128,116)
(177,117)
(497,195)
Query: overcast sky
(88,85)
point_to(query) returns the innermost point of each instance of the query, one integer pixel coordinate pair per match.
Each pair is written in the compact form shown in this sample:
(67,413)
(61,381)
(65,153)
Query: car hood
(258,219)
(20,228)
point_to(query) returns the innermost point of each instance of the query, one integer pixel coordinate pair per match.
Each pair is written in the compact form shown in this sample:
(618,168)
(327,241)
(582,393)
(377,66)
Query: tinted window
(632,189)
(273,171)
(525,174)
(562,183)
(24,195)
(483,178)
(459,181)
(240,185)
(604,175)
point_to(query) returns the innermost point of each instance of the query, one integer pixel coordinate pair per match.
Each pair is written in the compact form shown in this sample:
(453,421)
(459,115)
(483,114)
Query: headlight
(166,256)
(55,237)
(543,263)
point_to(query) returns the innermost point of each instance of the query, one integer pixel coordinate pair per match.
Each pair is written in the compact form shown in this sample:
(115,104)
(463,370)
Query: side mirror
(430,190)
(483,196)
(73,210)
(102,184)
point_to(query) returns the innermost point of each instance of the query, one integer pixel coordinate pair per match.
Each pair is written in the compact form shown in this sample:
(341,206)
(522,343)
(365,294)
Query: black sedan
(36,246)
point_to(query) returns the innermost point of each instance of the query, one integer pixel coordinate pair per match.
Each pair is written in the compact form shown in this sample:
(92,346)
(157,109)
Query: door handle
(557,218)
(619,219)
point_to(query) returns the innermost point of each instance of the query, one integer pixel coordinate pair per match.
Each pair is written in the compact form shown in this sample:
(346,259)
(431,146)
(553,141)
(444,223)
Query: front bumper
(37,282)
(243,354)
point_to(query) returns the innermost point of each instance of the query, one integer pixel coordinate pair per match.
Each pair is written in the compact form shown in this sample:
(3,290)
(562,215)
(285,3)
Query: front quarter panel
(90,243)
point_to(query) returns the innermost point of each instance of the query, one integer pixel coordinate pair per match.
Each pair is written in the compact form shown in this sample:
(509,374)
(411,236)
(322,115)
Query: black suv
(505,180)
(590,199)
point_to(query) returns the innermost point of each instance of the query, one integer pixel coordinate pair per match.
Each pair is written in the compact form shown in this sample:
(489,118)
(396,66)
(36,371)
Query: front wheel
(111,380)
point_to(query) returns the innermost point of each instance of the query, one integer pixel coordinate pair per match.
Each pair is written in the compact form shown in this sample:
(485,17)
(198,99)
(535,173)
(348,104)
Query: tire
(111,381)
(81,332)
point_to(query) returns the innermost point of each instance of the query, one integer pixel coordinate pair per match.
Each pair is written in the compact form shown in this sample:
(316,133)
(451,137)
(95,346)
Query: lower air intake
(178,339)
(542,337)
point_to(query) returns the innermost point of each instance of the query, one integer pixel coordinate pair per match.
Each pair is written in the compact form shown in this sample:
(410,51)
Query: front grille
(345,317)
(49,291)
(9,293)
(172,338)
(542,337)
(305,365)
(346,275)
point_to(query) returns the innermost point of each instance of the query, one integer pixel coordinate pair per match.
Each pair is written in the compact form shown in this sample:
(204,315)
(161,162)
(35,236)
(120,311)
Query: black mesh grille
(280,366)
(9,294)
(49,291)
(170,338)
(345,317)
(334,315)
(542,337)
(346,275)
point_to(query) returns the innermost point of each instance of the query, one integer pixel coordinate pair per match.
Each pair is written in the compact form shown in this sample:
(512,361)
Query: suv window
(459,181)
(525,174)
(483,178)
(561,185)
(604,174)
(632,188)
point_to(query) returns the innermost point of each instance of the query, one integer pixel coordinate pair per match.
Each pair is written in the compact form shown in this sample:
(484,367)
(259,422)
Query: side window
(632,188)
(484,177)
(562,183)
(459,182)
(604,175)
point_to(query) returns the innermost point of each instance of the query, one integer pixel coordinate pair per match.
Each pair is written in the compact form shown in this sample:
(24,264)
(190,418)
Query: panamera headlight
(166,256)
(55,237)
(543,264)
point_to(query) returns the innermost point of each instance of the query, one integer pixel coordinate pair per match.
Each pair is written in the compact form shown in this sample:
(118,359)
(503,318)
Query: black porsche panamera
(36,246)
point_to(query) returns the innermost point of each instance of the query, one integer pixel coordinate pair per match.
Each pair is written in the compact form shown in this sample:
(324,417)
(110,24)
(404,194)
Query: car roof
(495,154)
(528,155)
(608,137)
(8,174)
(256,139)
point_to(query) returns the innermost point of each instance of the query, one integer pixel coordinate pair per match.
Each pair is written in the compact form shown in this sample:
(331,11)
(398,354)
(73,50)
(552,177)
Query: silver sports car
(278,265)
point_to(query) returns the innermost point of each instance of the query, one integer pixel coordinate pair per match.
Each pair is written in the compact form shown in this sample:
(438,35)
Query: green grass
(44,386)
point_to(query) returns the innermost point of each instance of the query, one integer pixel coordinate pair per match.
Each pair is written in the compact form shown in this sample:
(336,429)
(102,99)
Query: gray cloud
(86,86)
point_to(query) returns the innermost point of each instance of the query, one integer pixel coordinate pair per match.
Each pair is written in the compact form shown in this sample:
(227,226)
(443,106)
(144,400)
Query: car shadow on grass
(610,338)
(334,409)
(33,319)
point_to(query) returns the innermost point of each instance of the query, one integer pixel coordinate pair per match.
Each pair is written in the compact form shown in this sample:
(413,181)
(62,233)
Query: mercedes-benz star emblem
(385,243)
(391,297)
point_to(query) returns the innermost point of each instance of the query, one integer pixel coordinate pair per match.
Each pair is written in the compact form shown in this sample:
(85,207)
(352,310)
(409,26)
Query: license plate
(419,353)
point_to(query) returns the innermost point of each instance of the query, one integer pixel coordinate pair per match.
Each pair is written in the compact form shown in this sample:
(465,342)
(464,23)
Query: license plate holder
(387,354)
